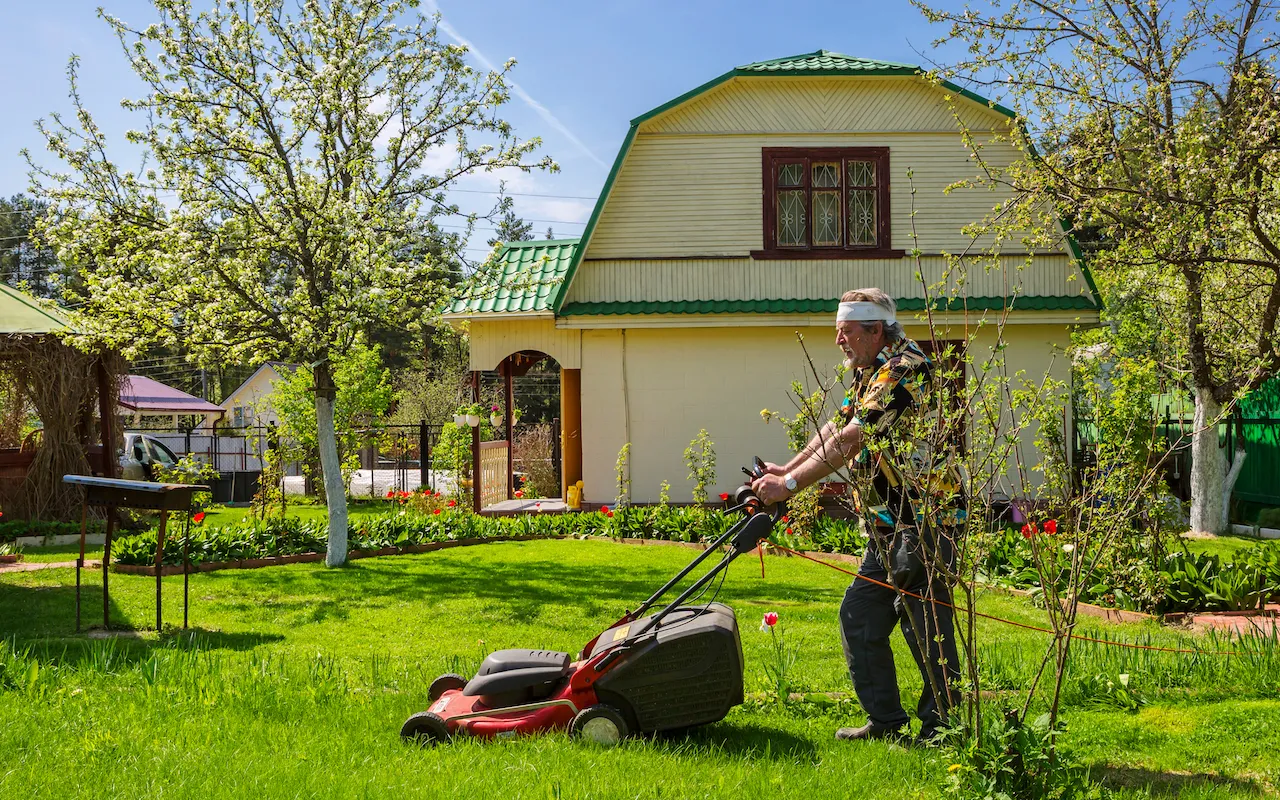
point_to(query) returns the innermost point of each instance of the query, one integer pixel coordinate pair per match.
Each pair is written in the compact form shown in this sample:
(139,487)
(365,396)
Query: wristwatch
(790,483)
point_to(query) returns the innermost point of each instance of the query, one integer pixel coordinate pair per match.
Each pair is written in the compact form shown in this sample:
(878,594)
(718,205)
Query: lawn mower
(675,669)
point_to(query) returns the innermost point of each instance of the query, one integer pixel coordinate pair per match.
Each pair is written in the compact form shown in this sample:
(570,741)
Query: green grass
(297,679)
(1222,546)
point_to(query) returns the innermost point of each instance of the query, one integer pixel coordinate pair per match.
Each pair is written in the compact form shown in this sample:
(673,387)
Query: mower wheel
(600,724)
(425,728)
(447,681)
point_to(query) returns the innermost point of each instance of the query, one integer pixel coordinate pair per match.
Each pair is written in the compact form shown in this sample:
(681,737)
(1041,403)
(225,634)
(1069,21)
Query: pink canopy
(146,396)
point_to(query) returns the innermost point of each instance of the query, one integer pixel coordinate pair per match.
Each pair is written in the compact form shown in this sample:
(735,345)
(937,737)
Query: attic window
(826,203)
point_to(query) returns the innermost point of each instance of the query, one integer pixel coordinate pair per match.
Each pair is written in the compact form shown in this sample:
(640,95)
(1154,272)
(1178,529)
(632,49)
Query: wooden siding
(492,341)
(775,104)
(702,195)
(1050,275)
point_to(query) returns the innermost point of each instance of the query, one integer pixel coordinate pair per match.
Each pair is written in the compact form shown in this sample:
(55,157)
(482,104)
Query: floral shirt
(881,396)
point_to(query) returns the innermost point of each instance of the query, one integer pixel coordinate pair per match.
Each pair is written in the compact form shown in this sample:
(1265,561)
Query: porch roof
(524,279)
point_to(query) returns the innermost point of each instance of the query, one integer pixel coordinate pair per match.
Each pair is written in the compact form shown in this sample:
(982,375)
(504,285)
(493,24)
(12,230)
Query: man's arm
(828,451)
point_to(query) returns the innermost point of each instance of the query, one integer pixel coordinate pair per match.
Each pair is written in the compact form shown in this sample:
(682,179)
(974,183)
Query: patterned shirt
(897,386)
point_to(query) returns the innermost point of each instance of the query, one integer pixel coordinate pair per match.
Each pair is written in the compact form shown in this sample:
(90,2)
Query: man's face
(860,346)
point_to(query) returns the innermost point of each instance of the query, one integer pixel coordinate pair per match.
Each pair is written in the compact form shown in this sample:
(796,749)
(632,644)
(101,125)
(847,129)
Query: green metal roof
(819,306)
(20,313)
(528,274)
(825,61)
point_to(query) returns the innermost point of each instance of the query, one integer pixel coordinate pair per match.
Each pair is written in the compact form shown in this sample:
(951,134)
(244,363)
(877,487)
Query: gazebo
(40,371)
(144,397)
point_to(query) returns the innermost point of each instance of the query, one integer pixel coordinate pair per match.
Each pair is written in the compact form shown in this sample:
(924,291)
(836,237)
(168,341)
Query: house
(735,216)
(141,396)
(250,404)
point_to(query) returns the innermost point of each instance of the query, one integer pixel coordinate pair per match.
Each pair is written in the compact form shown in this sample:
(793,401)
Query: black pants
(869,614)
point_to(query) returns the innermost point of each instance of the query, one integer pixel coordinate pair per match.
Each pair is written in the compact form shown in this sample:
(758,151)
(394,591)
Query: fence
(1257,486)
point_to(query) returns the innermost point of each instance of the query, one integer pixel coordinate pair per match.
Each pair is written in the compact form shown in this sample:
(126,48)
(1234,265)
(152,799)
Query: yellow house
(734,217)
(250,404)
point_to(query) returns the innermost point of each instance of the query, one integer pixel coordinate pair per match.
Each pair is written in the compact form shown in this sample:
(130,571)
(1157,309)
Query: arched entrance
(543,446)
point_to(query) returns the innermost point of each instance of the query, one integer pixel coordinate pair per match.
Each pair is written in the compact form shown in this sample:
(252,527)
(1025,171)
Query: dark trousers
(867,617)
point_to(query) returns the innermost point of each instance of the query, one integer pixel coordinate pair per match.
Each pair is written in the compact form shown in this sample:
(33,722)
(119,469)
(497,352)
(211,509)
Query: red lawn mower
(677,668)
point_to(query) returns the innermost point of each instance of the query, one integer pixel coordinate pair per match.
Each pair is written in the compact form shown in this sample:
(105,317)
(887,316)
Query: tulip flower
(391,493)
(197,517)
(519,493)
(604,509)
(1028,531)
(1068,548)
(436,511)
(1051,527)
(724,496)
(768,621)
(452,503)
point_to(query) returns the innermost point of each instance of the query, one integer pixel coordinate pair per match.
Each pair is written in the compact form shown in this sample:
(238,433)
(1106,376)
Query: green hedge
(12,529)
(290,536)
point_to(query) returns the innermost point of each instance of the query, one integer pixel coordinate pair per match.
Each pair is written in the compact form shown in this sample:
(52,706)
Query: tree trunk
(335,493)
(1208,467)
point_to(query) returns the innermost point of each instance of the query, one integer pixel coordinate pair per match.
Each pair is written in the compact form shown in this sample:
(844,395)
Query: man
(891,378)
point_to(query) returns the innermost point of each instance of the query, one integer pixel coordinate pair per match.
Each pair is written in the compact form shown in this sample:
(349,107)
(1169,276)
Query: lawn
(297,678)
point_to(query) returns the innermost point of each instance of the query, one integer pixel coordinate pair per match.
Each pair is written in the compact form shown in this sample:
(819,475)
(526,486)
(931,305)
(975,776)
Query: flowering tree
(1157,126)
(294,176)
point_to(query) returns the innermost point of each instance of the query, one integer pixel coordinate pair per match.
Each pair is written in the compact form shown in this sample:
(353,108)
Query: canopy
(142,395)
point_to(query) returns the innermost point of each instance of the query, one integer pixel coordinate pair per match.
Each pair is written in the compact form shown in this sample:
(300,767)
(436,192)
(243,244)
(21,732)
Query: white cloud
(539,108)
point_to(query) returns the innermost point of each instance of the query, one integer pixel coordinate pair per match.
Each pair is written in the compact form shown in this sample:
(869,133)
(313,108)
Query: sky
(584,70)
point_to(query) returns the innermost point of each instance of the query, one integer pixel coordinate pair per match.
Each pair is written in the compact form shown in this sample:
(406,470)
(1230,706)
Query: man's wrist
(790,483)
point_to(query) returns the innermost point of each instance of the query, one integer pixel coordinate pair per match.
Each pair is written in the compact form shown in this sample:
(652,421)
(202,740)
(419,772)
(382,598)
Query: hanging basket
(496,420)
(473,420)
(459,419)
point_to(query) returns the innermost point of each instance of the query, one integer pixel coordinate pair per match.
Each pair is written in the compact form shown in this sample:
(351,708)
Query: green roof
(818,306)
(20,313)
(825,61)
(528,273)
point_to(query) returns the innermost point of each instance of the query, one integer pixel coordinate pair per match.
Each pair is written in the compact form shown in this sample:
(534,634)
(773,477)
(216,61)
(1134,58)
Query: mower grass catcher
(677,668)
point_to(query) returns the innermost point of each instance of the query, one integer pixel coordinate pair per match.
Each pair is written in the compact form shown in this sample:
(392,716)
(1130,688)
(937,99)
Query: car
(141,455)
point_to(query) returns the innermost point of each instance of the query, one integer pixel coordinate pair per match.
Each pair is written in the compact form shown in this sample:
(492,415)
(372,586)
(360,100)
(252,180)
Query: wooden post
(475,446)
(570,428)
(164,519)
(84,524)
(107,414)
(507,364)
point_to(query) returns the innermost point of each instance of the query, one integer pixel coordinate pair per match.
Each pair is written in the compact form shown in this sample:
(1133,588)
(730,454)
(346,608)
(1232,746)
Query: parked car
(141,455)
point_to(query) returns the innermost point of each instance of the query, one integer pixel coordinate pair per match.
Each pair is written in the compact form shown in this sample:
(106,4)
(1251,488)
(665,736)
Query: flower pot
(473,420)
(459,419)
(495,420)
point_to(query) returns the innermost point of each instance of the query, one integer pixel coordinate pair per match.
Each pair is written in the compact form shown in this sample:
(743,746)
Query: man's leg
(933,625)
(867,617)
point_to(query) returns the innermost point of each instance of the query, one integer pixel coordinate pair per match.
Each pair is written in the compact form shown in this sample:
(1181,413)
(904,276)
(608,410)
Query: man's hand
(771,468)
(771,488)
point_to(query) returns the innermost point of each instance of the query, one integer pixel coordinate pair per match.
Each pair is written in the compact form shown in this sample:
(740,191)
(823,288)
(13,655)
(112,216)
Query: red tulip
(197,517)
(784,517)
(770,618)
(604,509)
(436,511)
(391,493)
(519,493)
(1051,527)
(788,531)
(724,495)
(1028,531)
(609,515)
(452,503)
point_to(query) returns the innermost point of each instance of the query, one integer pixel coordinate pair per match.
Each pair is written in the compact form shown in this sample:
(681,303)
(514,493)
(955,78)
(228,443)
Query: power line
(524,194)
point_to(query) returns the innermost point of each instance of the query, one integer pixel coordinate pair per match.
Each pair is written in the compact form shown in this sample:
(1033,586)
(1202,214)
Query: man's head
(860,339)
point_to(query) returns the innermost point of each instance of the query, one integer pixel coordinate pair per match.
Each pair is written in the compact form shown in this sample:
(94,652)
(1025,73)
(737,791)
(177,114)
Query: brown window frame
(771,156)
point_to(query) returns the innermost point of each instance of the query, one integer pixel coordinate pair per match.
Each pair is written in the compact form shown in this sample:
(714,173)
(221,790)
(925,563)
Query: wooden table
(113,493)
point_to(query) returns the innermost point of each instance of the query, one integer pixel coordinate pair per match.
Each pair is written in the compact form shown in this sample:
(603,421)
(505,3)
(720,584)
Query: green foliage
(622,471)
(364,394)
(11,529)
(188,471)
(700,458)
(1013,759)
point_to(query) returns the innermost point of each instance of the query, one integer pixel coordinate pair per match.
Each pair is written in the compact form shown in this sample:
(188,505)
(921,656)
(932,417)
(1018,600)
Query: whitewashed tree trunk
(1208,467)
(335,493)
(1230,484)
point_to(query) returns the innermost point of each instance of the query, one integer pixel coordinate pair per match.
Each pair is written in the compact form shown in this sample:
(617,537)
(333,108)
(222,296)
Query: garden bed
(311,558)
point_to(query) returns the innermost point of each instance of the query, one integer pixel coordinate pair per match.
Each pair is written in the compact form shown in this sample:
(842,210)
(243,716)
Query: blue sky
(591,65)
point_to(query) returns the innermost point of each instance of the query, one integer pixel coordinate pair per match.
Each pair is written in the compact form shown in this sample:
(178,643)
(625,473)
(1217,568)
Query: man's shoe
(871,731)
(928,738)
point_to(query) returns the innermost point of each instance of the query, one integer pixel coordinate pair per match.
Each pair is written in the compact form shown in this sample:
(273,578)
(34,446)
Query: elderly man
(891,378)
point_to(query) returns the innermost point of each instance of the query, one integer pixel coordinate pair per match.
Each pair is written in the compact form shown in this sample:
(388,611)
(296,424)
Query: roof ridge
(542,242)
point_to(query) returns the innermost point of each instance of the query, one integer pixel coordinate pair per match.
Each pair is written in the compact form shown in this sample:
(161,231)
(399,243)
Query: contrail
(542,110)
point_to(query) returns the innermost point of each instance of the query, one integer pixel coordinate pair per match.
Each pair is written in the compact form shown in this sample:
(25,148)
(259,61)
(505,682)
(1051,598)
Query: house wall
(494,340)
(691,189)
(721,380)
(253,397)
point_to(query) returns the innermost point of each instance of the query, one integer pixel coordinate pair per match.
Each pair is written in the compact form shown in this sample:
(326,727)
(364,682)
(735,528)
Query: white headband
(864,311)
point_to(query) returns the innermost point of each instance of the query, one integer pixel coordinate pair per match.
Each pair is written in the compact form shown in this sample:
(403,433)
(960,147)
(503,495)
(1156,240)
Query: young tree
(289,188)
(511,228)
(1159,126)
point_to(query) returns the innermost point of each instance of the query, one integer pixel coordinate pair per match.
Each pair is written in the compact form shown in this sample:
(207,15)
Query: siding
(824,105)
(492,341)
(747,279)
(690,195)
